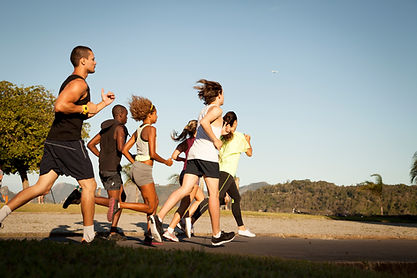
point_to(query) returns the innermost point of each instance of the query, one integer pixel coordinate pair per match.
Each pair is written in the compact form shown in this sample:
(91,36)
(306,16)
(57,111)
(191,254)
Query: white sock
(4,212)
(170,230)
(218,235)
(89,234)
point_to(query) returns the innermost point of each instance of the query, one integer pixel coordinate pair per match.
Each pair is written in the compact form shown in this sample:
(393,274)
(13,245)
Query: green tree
(26,116)
(413,171)
(376,189)
(174,179)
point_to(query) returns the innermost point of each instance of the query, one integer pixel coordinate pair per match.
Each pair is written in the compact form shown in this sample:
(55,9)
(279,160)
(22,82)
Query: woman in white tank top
(202,161)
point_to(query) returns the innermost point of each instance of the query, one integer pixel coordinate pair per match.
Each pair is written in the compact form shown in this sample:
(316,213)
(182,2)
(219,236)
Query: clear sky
(340,106)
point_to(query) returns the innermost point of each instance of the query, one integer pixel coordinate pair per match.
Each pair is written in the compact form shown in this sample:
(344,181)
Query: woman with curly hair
(142,110)
(203,161)
(187,137)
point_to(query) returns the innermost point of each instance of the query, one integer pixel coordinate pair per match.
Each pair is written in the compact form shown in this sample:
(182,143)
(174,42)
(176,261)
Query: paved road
(290,248)
(293,238)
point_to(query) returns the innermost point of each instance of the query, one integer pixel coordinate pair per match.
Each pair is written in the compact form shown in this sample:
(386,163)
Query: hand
(218,144)
(107,98)
(169,162)
(247,137)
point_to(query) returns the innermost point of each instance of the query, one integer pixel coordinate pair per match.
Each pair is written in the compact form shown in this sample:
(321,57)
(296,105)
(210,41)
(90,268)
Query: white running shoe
(170,236)
(188,227)
(246,233)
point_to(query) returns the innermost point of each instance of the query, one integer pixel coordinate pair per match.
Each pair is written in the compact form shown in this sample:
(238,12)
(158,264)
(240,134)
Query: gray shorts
(111,180)
(141,173)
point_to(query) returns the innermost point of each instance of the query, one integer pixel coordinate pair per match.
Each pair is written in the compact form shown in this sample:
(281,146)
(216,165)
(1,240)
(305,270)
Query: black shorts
(111,180)
(68,158)
(204,168)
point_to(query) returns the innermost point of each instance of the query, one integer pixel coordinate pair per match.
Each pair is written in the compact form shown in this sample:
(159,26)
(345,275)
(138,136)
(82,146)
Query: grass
(379,218)
(31,258)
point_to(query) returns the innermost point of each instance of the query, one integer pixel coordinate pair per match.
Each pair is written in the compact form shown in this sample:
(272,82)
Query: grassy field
(31,258)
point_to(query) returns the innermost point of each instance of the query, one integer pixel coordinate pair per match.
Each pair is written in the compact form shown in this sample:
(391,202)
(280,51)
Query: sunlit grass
(31,258)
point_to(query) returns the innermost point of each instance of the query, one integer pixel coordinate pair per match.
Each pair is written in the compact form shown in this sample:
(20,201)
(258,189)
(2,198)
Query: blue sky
(340,107)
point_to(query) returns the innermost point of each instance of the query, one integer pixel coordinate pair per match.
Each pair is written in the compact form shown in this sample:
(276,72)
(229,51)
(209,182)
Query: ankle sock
(170,230)
(218,235)
(4,212)
(89,234)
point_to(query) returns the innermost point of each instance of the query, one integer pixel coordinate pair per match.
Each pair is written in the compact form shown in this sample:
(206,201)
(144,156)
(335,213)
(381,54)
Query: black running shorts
(111,180)
(204,168)
(68,158)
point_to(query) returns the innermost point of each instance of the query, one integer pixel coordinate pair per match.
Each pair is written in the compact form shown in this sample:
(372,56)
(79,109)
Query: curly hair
(209,90)
(140,107)
(189,130)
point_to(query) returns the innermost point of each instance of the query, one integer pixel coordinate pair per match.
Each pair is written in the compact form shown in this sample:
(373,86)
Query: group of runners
(211,145)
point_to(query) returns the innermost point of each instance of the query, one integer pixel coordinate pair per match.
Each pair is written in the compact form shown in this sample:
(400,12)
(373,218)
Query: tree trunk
(24,178)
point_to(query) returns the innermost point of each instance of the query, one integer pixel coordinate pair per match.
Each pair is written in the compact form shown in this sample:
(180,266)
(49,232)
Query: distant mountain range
(60,191)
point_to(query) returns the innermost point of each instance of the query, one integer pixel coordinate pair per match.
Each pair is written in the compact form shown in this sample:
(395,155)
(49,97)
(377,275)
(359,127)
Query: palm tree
(174,179)
(375,188)
(413,171)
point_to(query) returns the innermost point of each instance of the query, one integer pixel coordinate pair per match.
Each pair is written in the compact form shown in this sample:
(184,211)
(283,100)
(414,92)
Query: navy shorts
(68,158)
(111,180)
(204,168)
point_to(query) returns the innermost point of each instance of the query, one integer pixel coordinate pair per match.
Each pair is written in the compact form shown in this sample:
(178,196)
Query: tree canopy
(26,116)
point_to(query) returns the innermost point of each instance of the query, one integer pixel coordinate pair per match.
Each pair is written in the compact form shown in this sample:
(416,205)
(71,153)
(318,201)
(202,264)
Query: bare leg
(199,197)
(149,197)
(87,200)
(214,205)
(185,190)
(42,186)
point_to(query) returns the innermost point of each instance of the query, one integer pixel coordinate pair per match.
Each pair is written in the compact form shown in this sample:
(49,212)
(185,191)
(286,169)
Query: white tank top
(142,146)
(203,148)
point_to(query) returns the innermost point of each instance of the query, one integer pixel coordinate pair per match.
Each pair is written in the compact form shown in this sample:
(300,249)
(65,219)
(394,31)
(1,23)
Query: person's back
(110,156)
(203,147)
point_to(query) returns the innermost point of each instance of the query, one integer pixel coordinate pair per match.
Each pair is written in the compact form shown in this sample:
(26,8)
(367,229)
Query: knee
(236,199)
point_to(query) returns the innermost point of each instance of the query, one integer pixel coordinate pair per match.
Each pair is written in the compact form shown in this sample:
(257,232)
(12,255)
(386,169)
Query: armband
(85,110)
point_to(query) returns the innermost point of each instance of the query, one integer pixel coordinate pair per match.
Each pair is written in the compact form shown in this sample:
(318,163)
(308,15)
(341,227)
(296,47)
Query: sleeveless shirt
(67,127)
(110,156)
(142,146)
(203,148)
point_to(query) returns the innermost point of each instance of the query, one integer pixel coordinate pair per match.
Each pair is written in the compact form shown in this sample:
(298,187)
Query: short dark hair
(229,119)
(79,52)
(118,110)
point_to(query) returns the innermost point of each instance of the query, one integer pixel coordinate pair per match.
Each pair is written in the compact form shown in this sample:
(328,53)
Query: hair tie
(150,110)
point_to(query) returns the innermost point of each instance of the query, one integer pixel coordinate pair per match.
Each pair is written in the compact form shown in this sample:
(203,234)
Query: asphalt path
(350,250)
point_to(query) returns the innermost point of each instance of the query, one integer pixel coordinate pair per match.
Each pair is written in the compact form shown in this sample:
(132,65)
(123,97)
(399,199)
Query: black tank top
(67,127)
(109,159)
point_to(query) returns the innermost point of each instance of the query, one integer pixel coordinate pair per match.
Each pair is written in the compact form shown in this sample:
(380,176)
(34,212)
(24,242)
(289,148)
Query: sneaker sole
(222,242)
(170,238)
(247,236)
(154,230)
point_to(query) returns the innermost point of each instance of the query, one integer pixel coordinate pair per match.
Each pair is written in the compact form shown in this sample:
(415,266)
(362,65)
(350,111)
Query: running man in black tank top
(64,151)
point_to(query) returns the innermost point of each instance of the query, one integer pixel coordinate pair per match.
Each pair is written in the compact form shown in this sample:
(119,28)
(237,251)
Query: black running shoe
(156,228)
(73,198)
(224,238)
